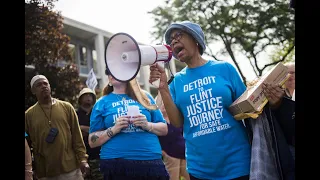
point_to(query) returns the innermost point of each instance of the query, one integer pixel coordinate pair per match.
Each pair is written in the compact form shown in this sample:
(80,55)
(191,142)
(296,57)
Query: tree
(246,26)
(45,46)
(286,53)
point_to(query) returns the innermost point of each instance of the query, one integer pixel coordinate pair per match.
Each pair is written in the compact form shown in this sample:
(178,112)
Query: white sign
(133,111)
(92,80)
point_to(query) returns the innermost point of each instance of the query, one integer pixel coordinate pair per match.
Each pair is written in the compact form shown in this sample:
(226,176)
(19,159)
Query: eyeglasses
(176,37)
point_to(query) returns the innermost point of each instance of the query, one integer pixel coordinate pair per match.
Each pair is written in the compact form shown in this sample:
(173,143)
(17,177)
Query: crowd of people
(185,132)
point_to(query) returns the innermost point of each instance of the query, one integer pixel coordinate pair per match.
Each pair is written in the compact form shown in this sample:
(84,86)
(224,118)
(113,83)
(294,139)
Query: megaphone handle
(157,82)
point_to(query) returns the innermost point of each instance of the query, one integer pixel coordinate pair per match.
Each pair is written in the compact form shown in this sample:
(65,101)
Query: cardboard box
(253,99)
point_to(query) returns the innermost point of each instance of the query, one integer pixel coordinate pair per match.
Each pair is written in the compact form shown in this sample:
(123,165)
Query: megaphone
(124,57)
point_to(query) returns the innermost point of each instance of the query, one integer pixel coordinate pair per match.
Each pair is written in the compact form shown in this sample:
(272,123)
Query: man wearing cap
(197,99)
(52,124)
(87,99)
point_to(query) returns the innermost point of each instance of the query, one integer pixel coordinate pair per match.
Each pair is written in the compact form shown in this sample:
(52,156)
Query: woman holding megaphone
(217,145)
(198,98)
(126,122)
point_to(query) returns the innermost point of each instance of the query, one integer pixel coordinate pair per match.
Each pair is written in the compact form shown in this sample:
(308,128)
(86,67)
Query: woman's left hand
(140,121)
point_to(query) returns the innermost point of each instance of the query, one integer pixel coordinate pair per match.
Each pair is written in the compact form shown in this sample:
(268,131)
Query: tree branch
(281,60)
(263,47)
(210,51)
(209,54)
(255,61)
(254,69)
(228,47)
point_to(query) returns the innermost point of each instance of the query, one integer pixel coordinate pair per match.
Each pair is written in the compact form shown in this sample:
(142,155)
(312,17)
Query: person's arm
(77,140)
(97,138)
(157,123)
(283,110)
(28,156)
(158,128)
(98,135)
(173,112)
(274,93)
(28,160)
(85,128)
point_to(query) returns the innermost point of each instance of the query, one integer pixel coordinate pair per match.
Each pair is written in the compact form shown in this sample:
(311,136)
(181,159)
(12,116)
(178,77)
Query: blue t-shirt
(217,145)
(133,142)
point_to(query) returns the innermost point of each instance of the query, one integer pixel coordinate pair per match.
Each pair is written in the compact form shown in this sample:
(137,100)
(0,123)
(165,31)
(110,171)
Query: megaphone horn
(124,57)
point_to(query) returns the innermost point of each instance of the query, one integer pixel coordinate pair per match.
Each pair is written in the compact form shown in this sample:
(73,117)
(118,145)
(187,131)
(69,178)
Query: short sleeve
(237,84)
(96,118)
(172,91)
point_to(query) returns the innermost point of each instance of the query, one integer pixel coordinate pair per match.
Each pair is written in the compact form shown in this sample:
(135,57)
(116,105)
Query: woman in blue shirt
(217,145)
(130,148)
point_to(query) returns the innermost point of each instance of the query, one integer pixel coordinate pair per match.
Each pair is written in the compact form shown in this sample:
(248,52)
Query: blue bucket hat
(191,28)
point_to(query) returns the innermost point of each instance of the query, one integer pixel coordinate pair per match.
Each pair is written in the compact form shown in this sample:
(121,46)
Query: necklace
(48,117)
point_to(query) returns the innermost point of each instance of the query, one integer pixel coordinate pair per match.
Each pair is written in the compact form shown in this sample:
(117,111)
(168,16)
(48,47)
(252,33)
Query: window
(94,60)
(83,55)
(72,52)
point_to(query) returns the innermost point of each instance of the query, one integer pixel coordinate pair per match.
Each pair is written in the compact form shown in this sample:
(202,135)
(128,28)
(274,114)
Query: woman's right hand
(121,123)
(156,72)
(274,93)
